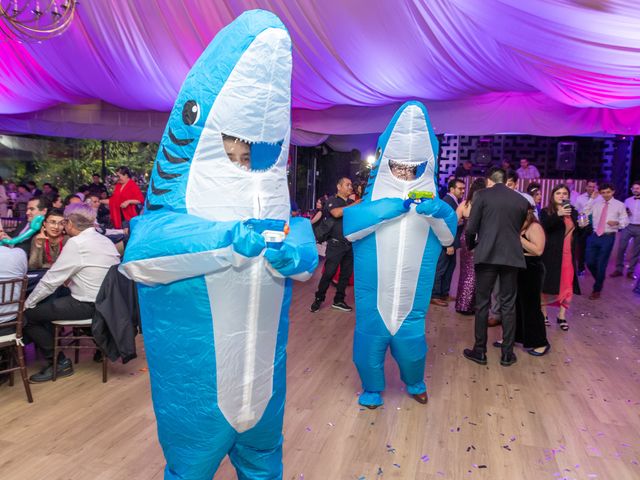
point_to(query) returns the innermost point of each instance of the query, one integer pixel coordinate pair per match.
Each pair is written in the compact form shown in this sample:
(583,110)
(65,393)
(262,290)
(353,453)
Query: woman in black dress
(560,223)
(530,328)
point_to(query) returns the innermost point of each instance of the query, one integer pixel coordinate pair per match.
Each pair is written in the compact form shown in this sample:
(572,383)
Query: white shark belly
(400,247)
(246,304)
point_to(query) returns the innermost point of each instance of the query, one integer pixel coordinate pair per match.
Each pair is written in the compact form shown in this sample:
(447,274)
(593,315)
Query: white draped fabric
(543,67)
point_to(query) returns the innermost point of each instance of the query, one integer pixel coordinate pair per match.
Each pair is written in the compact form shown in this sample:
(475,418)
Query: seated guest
(73,198)
(97,187)
(56,201)
(46,246)
(527,171)
(21,200)
(81,266)
(48,190)
(33,189)
(13,264)
(35,207)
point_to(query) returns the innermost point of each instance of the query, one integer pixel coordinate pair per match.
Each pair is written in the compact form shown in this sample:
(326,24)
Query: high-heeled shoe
(562,322)
(533,352)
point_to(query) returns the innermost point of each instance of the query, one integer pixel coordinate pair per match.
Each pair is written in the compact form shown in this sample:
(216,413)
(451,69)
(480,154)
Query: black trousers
(530,329)
(581,246)
(486,276)
(39,328)
(444,274)
(339,254)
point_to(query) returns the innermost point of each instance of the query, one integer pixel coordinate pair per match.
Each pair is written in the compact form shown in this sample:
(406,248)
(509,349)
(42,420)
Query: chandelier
(35,20)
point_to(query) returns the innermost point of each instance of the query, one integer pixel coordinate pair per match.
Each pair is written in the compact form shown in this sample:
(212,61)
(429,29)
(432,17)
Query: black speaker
(482,155)
(566,159)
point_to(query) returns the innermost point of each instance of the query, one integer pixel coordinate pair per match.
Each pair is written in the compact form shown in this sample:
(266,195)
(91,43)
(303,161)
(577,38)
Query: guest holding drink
(559,221)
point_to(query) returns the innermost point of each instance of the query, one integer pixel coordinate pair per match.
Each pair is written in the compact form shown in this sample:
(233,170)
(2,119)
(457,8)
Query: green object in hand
(34,227)
(420,195)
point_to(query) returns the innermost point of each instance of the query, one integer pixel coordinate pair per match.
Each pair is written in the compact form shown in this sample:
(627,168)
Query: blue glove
(435,208)
(284,259)
(246,241)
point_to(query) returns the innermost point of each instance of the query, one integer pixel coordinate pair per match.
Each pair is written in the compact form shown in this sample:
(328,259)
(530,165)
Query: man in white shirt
(527,171)
(573,195)
(609,216)
(82,266)
(583,202)
(13,264)
(632,204)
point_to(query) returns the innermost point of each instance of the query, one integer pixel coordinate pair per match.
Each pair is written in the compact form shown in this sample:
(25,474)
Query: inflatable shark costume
(214,297)
(396,248)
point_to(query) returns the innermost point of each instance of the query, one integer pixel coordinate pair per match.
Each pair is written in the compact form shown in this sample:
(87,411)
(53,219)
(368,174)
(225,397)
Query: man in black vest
(493,232)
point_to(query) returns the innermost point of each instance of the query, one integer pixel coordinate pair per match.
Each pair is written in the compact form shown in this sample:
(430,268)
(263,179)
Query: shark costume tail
(396,249)
(214,295)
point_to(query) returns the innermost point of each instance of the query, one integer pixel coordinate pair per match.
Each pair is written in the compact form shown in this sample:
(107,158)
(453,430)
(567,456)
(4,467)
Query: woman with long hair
(465,299)
(560,222)
(530,326)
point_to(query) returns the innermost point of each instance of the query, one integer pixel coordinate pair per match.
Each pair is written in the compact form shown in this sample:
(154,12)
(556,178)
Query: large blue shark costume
(214,297)
(396,248)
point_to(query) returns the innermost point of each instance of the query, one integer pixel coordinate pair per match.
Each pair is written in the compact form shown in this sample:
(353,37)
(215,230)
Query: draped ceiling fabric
(542,67)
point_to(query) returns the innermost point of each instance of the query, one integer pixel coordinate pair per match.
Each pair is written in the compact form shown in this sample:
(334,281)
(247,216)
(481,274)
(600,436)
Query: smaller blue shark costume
(396,247)
(214,293)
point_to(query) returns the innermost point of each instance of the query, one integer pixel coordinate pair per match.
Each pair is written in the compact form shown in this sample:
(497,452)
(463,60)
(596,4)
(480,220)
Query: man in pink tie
(608,216)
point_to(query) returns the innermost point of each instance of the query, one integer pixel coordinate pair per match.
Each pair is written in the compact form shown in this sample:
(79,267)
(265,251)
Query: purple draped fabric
(544,67)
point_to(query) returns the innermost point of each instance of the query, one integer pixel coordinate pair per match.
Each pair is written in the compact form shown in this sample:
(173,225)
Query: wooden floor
(573,414)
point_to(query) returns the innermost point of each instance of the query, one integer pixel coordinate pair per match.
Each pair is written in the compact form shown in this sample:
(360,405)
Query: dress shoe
(493,322)
(615,274)
(65,369)
(422,398)
(466,313)
(439,302)
(533,352)
(497,344)
(594,296)
(630,275)
(508,359)
(480,358)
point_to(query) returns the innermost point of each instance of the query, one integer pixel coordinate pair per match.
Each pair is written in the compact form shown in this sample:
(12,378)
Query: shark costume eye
(190,112)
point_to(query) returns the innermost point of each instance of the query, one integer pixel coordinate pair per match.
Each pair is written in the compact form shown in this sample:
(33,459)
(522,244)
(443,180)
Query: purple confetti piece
(308,429)
(396,465)
(425,458)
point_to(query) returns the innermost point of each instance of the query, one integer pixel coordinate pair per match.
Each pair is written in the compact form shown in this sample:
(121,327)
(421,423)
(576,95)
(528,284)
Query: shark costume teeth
(396,249)
(214,297)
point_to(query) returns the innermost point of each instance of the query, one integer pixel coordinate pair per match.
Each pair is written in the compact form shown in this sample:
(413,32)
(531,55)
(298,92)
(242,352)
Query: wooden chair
(12,296)
(78,327)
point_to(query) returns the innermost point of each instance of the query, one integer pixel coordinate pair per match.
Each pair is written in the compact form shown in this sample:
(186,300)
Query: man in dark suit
(447,260)
(36,206)
(493,232)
